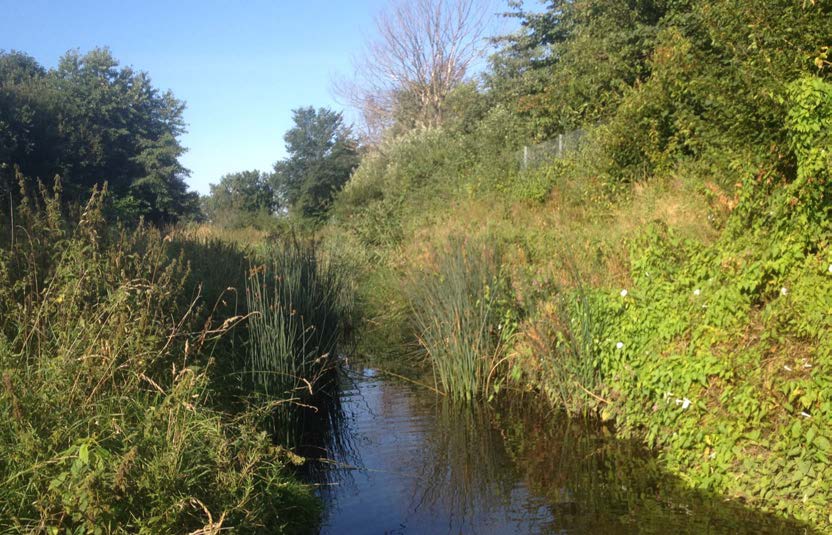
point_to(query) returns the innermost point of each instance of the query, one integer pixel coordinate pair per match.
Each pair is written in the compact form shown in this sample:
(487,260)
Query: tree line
(664,79)
(89,120)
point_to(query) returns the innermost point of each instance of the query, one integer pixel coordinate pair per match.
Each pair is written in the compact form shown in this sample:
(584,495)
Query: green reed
(298,315)
(463,317)
(108,421)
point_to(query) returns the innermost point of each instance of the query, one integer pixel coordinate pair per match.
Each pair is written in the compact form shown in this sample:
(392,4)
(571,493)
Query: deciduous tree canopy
(90,121)
(322,155)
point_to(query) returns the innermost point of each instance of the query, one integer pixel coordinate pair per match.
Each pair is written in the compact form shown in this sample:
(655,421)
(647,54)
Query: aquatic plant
(463,317)
(299,312)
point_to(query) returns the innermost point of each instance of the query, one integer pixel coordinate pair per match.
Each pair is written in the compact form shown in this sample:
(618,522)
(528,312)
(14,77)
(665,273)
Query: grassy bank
(126,404)
(691,307)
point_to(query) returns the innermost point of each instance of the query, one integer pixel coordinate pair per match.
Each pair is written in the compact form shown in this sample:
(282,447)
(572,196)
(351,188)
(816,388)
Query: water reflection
(407,461)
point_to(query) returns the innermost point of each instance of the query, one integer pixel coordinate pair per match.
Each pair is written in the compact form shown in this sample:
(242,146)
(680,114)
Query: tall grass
(568,353)
(106,417)
(300,311)
(463,317)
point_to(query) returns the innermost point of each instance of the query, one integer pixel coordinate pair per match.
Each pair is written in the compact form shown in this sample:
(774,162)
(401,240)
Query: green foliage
(720,354)
(322,155)
(808,122)
(573,61)
(713,117)
(464,318)
(242,199)
(88,120)
(664,80)
(107,421)
(300,312)
(397,180)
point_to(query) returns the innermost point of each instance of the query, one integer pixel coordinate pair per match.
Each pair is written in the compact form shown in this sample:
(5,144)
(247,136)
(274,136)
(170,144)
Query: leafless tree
(423,50)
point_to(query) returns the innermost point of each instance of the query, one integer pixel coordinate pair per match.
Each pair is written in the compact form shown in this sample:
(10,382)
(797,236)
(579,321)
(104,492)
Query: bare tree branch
(423,50)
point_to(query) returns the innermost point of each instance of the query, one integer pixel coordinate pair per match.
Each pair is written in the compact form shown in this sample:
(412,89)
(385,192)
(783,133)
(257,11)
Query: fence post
(525,157)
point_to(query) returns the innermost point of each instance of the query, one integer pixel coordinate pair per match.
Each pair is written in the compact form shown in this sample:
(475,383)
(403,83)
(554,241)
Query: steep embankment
(696,316)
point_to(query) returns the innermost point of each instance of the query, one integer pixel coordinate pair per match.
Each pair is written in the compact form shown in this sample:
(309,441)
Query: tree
(572,61)
(423,50)
(89,121)
(239,196)
(322,155)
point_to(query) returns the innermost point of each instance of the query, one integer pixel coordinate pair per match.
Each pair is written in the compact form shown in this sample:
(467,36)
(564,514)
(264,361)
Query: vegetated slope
(672,273)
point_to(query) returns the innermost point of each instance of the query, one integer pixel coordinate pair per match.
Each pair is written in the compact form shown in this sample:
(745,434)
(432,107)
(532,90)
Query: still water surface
(405,460)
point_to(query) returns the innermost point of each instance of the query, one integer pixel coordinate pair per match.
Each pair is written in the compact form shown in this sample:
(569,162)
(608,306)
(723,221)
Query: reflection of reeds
(327,441)
(298,313)
(595,483)
(466,467)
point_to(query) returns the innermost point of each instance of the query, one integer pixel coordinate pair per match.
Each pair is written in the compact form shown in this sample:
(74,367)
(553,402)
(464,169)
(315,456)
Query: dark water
(408,461)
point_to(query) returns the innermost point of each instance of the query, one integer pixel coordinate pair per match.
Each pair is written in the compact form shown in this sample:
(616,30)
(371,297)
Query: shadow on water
(399,459)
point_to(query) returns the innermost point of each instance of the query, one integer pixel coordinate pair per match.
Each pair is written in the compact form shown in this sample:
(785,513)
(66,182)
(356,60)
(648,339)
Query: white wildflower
(830,268)
(685,403)
(619,345)
(784,291)
(624,293)
(696,292)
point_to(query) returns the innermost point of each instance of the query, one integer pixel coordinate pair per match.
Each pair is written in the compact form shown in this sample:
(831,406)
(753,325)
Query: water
(408,461)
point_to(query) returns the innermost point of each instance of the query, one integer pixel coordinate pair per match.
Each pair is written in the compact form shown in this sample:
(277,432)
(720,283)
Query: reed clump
(300,311)
(463,316)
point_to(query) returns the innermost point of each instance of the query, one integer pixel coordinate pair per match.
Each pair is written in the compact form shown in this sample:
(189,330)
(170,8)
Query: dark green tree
(239,197)
(667,79)
(571,62)
(322,155)
(89,121)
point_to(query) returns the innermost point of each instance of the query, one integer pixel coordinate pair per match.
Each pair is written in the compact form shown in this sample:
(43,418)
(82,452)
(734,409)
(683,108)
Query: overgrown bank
(682,292)
(131,400)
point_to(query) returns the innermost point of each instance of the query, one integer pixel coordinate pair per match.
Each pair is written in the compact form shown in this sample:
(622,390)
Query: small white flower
(619,345)
(784,291)
(830,268)
(624,293)
(685,403)
(697,291)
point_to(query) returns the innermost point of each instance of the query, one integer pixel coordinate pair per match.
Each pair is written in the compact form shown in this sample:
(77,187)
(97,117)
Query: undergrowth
(108,420)
(690,307)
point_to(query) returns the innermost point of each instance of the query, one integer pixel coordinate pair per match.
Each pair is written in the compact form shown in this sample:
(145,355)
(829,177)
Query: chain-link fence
(535,155)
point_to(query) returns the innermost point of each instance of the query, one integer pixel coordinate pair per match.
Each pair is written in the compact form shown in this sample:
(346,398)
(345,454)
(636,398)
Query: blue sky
(241,66)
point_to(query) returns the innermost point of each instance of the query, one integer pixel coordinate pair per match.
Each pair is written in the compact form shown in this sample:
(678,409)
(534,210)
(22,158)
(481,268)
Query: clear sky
(241,66)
